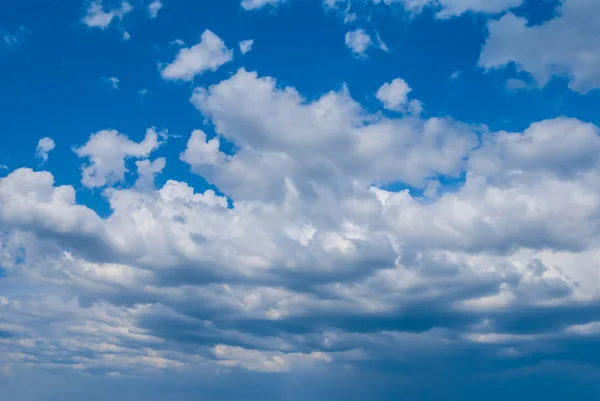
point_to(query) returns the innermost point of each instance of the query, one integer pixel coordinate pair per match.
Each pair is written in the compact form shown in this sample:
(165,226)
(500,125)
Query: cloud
(154,8)
(358,41)
(107,150)
(113,82)
(246,45)
(257,4)
(15,39)
(209,54)
(97,17)
(44,146)
(565,46)
(304,259)
(454,8)
(394,95)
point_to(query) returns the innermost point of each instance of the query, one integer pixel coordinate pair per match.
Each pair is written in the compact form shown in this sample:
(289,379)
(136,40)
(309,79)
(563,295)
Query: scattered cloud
(257,4)
(154,8)
(358,41)
(209,54)
(113,82)
(454,8)
(394,96)
(97,17)
(44,146)
(106,152)
(564,46)
(380,43)
(246,45)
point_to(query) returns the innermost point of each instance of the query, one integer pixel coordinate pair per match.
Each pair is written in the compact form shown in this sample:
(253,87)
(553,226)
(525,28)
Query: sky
(290,200)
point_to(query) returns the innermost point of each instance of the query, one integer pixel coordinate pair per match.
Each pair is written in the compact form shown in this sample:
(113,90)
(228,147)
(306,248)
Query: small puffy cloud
(209,54)
(113,82)
(107,151)
(154,8)
(394,96)
(44,146)
(177,42)
(246,45)
(257,4)
(565,46)
(358,41)
(97,17)
(143,92)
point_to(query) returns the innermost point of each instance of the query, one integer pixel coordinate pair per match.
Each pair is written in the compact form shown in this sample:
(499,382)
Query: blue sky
(299,199)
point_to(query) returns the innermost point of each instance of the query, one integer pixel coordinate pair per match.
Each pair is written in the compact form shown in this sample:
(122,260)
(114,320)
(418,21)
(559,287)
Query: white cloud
(209,54)
(380,43)
(154,8)
(454,8)
(107,151)
(252,112)
(246,45)
(97,17)
(44,146)
(394,95)
(358,41)
(113,82)
(309,256)
(257,4)
(565,46)
(147,171)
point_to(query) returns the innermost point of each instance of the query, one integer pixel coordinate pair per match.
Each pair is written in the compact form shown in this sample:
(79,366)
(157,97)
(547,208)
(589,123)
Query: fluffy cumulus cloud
(394,96)
(107,151)
(303,256)
(98,16)
(358,41)
(209,54)
(565,46)
(44,146)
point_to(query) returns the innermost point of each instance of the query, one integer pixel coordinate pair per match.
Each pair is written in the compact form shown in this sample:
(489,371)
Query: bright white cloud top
(209,54)
(44,146)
